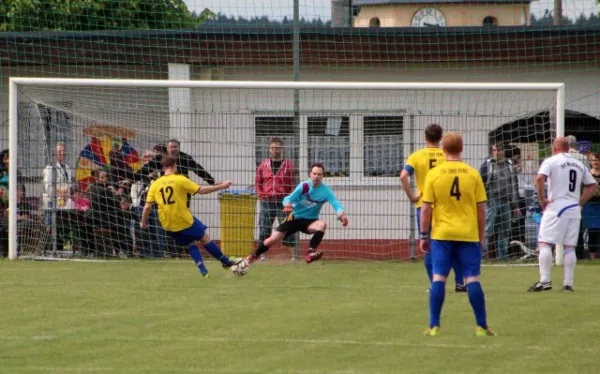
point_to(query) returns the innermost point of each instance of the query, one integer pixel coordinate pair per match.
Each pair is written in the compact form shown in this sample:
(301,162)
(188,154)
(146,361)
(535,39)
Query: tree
(88,15)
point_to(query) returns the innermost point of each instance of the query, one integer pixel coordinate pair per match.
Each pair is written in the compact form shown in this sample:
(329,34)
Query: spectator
(500,179)
(185,162)
(274,181)
(104,206)
(63,200)
(23,219)
(151,239)
(81,203)
(517,227)
(591,210)
(61,170)
(574,150)
(5,157)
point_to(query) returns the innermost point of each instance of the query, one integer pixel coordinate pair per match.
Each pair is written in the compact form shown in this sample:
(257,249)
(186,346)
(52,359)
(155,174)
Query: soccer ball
(241,268)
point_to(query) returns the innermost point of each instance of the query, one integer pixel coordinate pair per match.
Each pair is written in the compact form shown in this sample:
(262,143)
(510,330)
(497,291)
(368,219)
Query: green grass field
(356,317)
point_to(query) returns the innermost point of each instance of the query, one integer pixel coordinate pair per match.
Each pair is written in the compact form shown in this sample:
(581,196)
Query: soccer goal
(82,150)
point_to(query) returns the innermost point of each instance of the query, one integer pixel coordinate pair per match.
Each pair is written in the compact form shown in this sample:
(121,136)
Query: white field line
(427,342)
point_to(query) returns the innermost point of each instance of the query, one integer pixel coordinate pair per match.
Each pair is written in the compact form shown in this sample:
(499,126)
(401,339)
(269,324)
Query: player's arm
(589,187)
(405,174)
(426,212)
(481,199)
(209,189)
(481,222)
(405,181)
(540,181)
(290,199)
(150,200)
(338,207)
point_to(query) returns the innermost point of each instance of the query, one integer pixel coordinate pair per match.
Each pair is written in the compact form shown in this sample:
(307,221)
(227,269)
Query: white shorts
(559,230)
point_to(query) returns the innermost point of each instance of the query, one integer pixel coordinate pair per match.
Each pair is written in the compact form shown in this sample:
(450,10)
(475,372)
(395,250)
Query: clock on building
(428,17)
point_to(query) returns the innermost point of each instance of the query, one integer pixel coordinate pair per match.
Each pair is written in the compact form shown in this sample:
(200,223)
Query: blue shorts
(467,254)
(418,212)
(186,236)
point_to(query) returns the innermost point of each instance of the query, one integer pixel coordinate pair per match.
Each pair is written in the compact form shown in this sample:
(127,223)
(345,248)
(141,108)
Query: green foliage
(547,20)
(88,15)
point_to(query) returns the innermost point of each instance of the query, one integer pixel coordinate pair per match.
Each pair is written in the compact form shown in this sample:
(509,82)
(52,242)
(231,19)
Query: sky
(322,8)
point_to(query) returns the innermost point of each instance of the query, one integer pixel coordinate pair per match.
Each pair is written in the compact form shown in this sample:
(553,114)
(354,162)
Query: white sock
(545,261)
(570,260)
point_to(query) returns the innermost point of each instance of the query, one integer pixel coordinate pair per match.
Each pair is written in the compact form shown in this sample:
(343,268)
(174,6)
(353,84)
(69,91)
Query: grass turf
(327,317)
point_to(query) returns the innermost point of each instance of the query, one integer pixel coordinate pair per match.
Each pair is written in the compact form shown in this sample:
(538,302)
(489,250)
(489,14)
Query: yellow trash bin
(238,219)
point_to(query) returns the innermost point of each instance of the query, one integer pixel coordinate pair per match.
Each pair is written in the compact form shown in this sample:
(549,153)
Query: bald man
(562,211)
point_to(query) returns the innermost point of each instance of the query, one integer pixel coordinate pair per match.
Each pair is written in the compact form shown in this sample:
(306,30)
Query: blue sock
(428,267)
(197,257)
(436,300)
(458,274)
(477,300)
(215,251)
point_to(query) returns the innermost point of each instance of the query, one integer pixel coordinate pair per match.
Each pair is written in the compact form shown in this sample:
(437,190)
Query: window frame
(356,132)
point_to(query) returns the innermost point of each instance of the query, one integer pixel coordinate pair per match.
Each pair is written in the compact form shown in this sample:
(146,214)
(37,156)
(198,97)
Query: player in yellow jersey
(454,195)
(418,164)
(170,193)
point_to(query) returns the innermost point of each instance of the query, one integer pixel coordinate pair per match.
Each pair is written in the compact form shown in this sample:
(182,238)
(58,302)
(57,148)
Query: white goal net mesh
(86,156)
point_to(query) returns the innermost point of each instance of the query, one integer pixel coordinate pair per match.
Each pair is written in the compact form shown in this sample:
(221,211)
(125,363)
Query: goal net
(86,152)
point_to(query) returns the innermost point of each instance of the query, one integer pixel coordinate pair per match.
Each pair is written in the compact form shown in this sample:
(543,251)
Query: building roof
(433,2)
(344,47)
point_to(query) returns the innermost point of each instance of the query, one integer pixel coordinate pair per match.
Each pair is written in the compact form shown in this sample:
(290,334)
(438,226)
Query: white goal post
(55,83)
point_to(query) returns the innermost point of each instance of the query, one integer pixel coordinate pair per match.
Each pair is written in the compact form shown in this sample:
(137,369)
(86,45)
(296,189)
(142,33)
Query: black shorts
(292,225)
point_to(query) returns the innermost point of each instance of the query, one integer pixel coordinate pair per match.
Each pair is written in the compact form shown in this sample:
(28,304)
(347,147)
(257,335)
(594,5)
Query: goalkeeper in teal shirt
(303,206)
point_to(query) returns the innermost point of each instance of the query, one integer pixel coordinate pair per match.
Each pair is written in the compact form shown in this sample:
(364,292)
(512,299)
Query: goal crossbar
(15,82)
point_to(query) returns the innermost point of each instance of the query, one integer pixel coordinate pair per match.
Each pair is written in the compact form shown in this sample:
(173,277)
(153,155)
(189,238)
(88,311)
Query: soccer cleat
(232,262)
(251,259)
(204,275)
(567,288)
(313,256)
(480,331)
(460,288)
(539,287)
(432,331)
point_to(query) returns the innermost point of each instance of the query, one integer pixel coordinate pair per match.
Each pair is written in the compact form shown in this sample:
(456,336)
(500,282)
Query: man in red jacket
(274,180)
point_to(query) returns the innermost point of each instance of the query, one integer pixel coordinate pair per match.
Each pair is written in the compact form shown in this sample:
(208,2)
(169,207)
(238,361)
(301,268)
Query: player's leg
(426,256)
(469,257)
(291,239)
(550,232)
(441,255)
(197,257)
(214,250)
(276,237)
(317,228)
(570,257)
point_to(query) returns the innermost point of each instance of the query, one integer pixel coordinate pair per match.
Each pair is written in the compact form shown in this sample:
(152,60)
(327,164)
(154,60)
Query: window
(382,142)
(374,22)
(329,144)
(490,21)
(280,126)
